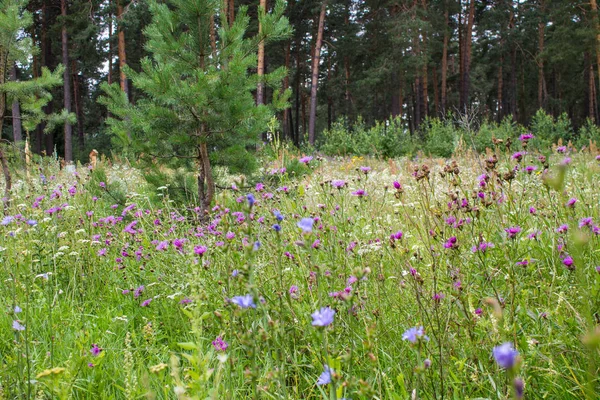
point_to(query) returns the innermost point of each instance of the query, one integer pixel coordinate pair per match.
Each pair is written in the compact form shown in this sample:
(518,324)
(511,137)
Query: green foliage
(588,133)
(386,139)
(440,137)
(547,130)
(193,94)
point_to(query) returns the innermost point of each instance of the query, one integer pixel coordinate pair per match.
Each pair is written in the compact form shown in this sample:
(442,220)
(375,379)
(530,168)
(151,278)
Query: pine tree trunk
(230,12)
(425,69)
(347,95)
(500,88)
(286,84)
(121,48)
(16,111)
(260,71)
(597,27)
(315,75)
(213,35)
(66,83)
(47,62)
(541,99)
(297,86)
(110,44)
(445,60)
(329,98)
(466,77)
(78,106)
(3,160)
(436,93)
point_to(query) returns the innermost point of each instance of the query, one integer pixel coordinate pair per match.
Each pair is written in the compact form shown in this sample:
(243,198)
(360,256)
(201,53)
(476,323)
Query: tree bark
(110,43)
(425,68)
(3,160)
(286,84)
(230,12)
(597,27)
(500,88)
(68,129)
(297,85)
(47,61)
(16,111)
(541,80)
(121,48)
(260,71)
(445,59)
(78,106)
(315,75)
(466,75)
(436,93)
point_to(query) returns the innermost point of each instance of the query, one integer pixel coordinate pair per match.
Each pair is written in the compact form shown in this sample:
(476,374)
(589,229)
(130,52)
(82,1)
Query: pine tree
(32,95)
(198,105)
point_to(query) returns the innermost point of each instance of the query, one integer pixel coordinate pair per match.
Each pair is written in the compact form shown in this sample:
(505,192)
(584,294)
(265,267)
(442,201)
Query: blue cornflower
(31,222)
(256,245)
(246,301)
(277,227)
(505,355)
(325,377)
(251,199)
(16,325)
(306,224)
(323,317)
(414,334)
(7,220)
(278,215)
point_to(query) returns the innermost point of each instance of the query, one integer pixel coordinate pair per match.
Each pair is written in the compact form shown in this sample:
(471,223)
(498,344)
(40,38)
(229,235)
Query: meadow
(476,277)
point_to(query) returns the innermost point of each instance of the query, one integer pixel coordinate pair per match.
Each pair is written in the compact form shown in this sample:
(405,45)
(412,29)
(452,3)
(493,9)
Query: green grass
(163,350)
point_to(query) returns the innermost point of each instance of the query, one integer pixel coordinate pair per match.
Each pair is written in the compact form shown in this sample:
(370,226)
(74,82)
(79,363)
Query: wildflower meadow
(476,277)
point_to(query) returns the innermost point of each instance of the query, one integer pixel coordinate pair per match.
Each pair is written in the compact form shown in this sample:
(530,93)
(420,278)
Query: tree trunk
(121,48)
(66,83)
(466,76)
(78,108)
(329,98)
(47,61)
(3,160)
(230,12)
(16,111)
(213,35)
(445,60)
(424,73)
(500,88)
(297,85)
(597,27)
(260,71)
(541,81)
(436,93)
(315,75)
(110,44)
(286,84)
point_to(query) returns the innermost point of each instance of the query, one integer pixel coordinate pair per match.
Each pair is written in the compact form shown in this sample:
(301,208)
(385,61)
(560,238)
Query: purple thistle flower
(397,185)
(562,229)
(587,221)
(305,159)
(365,169)
(162,246)
(525,137)
(323,317)
(95,350)
(199,250)
(505,355)
(451,243)
(146,303)
(359,193)
(513,231)
(138,291)
(246,301)
(571,202)
(568,262)
(519,386)
(338,184)
(219,344)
